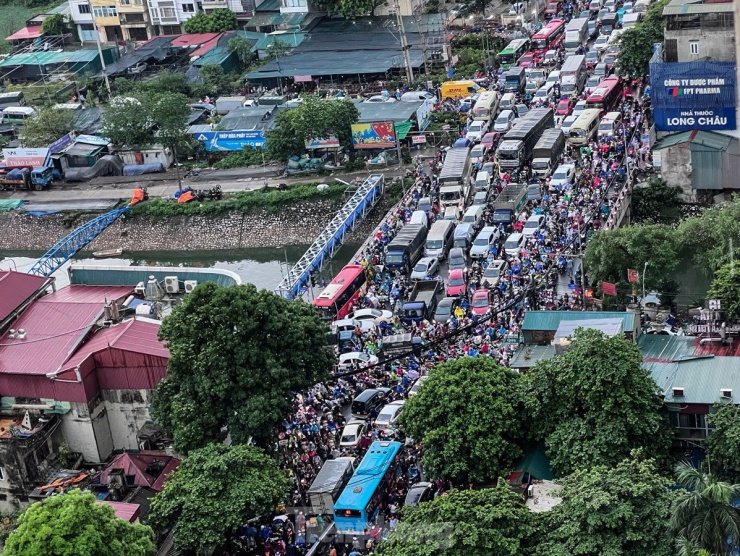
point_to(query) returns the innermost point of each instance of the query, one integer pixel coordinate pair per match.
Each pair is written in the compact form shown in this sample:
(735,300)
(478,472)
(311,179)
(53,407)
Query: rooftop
(550,320)
(25,33)
(701,378)
(386,111)
(680,7)
(124,510)
(146,468)
(15,288)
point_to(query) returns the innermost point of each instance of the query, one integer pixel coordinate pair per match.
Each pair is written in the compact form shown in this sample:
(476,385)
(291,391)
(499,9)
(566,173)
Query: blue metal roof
(361,486)
(702,379)
(550,320)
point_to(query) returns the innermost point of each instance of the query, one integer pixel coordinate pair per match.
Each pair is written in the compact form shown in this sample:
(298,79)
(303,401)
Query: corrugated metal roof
(25,33)
(529,355)
(130,276)
(703,379)
(681,7)
(610,327)
(662,373)
(36,58)
(290,38)
(136,464)
(661,348)
(123,510)
(549,320)
(672,140)
(386,111)
(193,39)
(89,294)
(15,288)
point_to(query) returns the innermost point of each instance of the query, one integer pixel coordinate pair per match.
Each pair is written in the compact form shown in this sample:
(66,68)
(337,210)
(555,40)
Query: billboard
(693,95)
(231,140)
(331,143)
(377,135)
(20,158)
(424,114)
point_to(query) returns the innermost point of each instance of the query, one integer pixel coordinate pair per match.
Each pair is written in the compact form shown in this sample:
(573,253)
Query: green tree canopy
(46,126)
(55,24)
(142,118)
(127,122)
(235,356)
(711,239)
(658,203)
(611,511)
(217,21)
(243,50)
(447,417)
(349,9)
(75,524)
(487,522)
(636,44)
(723,442)
(595,403)
(726,287)
(214,491)
(314,118)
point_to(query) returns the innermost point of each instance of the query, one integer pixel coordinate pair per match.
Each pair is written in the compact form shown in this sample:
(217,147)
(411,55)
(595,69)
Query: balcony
(134,20)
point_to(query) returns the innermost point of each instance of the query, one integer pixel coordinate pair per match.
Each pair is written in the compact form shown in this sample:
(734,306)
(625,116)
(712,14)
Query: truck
(547,151)
(404,250)
(515,79)
(515,150)
(422,302)
(329,483)
(458,89)
(576,35)
(509,203)
(25,178)
(573,65)
(453,179)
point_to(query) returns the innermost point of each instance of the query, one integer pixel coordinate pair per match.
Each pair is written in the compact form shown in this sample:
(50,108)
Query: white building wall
(83,21)
(88,434)
(128,411)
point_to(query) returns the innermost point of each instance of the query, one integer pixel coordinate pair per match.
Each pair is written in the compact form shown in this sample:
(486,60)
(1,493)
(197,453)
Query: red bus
(607,95)
(551,36)
(334,302)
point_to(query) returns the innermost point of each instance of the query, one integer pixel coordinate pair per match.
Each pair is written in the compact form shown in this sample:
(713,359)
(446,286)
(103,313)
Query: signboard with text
(20,158)
(377,135)
(231,140)
(330,143)
(424,114)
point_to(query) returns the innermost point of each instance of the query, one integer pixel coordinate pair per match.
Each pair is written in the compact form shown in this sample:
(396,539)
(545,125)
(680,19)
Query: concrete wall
(86,433)
(716,44)
(128,411)
(676,170)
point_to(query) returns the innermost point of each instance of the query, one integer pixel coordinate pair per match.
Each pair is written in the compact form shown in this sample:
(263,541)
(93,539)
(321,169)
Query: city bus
(551,36)
(17,114)
(510,55)
(335,301)
(357,507)
(607,95)
(486,106)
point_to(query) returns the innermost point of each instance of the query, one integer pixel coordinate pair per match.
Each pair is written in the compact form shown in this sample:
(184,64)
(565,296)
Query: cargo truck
(515,150)
(422,302)
(509,203)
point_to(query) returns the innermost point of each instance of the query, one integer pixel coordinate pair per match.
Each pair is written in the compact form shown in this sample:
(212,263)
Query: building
(135,20)
(698,30)
(81,13)
(167,16)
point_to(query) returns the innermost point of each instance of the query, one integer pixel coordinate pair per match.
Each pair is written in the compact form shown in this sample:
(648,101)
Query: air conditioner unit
(140,288)
(726,393)
(190,285)
(678,392)
(171,284)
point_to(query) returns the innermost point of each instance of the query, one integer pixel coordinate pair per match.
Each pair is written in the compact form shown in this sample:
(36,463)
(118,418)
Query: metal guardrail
(354,210)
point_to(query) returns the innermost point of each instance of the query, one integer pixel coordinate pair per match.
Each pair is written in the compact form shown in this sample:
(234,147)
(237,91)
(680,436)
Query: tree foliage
(74,524)
(214,81)
(243,50)
(723,442)
(314,118)
(55,24)
(711,239)
(595,403)
(214,491)
(235,356)
(146,118)
(468,420)
(349,9)
(726,287)
(46,126)
(658,203)
(636,44)
(217,21)
(703,513)
(486,522)
(611,511)
(127,122)
(277,49)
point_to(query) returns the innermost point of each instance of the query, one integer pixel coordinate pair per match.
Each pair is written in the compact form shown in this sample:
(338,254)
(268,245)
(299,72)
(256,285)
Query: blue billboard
(693,95)
(231,140)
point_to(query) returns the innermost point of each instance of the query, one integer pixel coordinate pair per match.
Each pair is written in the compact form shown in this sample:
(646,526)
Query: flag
(632,275)
(609,289)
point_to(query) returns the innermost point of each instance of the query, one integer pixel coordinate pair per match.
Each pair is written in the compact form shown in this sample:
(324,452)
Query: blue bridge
(66,247)
(323,249)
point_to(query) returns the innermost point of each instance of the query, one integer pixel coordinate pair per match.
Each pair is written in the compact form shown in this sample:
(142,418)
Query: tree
(214,81)
(349,9)
(486,522)
(723,442)
(636,44)
(243,50)
(313,119)
(170,112)
(127,122)
(446,416)
(595,403)
(74,524)
(726,287)
(214,491)
(217,21)
(710,239)
(658,203)
(620,510)
(703,513)
(236,354)
(167,81)
(46,126)
(53,25)
(277,49)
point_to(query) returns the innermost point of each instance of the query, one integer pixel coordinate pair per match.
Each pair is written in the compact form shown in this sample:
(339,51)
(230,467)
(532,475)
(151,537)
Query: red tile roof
(15,288)
(193,39)
(25,33)
(732,349)
(135,465)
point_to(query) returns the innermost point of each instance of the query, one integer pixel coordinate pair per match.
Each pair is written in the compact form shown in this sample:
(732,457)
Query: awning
(709,139)
(402,129)
(25,33)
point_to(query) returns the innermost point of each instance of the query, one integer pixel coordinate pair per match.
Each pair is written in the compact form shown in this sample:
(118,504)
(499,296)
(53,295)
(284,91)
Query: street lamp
(644,272)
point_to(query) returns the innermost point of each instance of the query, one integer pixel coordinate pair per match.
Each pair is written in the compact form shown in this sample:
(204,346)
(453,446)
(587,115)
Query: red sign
(609,289)
(417,139)
(21,158)
(632,275)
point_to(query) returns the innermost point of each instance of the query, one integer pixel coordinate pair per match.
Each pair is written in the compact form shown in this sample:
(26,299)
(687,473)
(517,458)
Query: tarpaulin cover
(109,165)
(155,50)
(10,204)
(139,169)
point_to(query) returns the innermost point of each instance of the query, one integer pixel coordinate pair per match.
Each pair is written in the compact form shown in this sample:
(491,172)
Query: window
(671,50)
(694,47)
(83,8)
(105,11)
(188,8)
(294,3)
(125,2)
(168,13)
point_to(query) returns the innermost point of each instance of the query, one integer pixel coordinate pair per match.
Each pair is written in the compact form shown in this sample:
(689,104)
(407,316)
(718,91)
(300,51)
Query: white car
(356,359)
(425,268)
(567,123)
(504,121)
(479,151)
(483,242)
(351,324)
(476,130)
(388,416)
(533,223)
(553,77)
(579,108)
(415,388)
(550,59)
(592,83)
(381,98)
(374,315)
(544,93)
(601,43)
(352,433)
(563,174)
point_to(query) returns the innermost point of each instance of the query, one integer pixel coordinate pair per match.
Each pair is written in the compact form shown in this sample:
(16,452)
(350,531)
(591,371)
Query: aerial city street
(361,277)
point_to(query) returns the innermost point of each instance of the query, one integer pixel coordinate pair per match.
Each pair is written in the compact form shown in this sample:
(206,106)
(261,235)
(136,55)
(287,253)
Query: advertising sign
(330,143)
(424,114)
(377,135)
(62,142)
(231,140)
(20,158)
(693,95)
(419,139)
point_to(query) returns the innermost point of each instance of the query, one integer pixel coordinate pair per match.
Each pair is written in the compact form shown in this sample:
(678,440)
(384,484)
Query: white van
(416,96)
(507,101)
(482,181)
(595,5)
(473,215)
(514,244)
(609,124)
(419,217)
(439,240)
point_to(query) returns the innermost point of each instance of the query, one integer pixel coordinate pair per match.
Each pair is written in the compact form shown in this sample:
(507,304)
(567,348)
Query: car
(612,49)
(504,121)
(527,60)
(553,77)
(481,302)
(489,167)
(352,324)
(593,57)
(388,416)
(476,130)
(534,192)
(601,43)
(490,140)
(602,70)
(456,283)
(468,102)
(419,493)
(610,5)
(420,381)
(480,198)
(352,433)
(610,60)
(600,15)
(531,88)
(425,204)
(483,242)
(579,108)
(375,315)
(356,360)
(592,83)
(585,14)
(627,8)
(445,309)
(533,223)
(536,75)
(520,110)
(479,151)
(381,98)
(563,174)
(138,68)
(564,107)
(552,9)
(457,258)
(425,268)
(593,28)
(543,94)
(567,123)
(550,58)
(494,271)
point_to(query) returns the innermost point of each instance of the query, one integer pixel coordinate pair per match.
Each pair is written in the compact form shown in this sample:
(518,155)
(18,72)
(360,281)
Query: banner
(608,288)
(21,158)
(62,142)
(632,275)
(424,114)
(231,140)
(377,135)
(330,143)
(419,139)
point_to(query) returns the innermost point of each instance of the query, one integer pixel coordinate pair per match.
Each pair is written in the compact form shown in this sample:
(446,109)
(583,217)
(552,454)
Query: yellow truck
(458,89)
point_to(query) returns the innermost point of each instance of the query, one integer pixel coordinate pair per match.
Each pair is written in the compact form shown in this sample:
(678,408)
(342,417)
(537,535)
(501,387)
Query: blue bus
(357,506)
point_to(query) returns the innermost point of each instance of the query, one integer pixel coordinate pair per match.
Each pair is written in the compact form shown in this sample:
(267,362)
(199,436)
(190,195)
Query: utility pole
(404,44)
(100,48)
(423,37)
